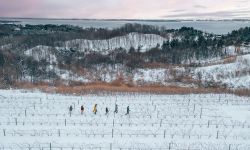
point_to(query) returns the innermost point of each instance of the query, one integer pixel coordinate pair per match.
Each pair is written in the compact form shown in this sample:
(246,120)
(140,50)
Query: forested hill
(36,53)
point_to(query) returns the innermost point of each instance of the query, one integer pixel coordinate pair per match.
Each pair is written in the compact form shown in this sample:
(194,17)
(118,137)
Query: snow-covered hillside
(40,121)
(162,76)
(42,52)
(233,75)
(135,40)
(234,50)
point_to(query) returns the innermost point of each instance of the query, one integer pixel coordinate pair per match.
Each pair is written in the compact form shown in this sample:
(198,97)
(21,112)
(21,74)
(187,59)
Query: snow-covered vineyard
(39,121)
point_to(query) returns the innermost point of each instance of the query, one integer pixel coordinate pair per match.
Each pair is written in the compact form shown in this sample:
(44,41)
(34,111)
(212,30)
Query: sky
(127,9)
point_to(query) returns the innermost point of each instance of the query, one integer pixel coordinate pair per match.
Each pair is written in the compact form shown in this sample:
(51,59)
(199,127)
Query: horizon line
(126,19)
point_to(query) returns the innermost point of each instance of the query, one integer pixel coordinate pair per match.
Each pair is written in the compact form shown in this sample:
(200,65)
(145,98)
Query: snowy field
(39,121)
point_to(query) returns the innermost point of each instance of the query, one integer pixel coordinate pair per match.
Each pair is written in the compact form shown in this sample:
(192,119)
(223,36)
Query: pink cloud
(18,8)
(116,9)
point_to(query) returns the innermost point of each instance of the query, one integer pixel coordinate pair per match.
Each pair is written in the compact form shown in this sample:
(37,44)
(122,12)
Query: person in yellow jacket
(95,109)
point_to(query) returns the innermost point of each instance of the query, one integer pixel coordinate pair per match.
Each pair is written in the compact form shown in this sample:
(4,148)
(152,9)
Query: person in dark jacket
(116,109)
(128,110)
(82,109)
(70,110)
(107,111)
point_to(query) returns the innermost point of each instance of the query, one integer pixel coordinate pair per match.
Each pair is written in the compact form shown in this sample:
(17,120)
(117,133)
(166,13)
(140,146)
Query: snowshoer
(127,111)
(82,109)
(107,111)
(70,110)
(95,109)
(116,109)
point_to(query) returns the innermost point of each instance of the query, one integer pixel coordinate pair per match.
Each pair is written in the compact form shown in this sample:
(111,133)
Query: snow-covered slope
(6,46)
(161,76)
(151,75)
(234,50)
(135,40)
(41,121)
(233,75)
(41,52)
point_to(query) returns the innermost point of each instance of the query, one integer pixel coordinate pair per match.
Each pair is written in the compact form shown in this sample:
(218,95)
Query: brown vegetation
(101,87)
(160,65)
(230,59)
(241,92)
(106,87)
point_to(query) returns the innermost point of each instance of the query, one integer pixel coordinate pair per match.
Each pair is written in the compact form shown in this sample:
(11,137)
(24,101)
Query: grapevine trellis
(168,118)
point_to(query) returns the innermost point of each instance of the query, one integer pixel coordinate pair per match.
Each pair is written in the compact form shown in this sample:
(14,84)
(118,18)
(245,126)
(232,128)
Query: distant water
(217,27)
